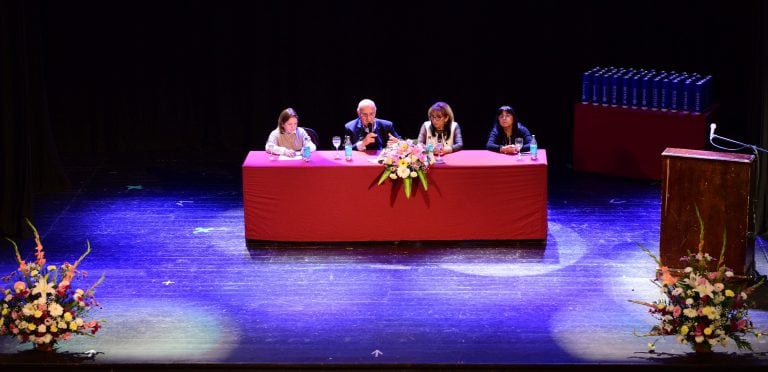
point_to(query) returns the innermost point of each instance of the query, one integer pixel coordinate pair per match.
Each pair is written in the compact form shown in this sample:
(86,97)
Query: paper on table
(295,157)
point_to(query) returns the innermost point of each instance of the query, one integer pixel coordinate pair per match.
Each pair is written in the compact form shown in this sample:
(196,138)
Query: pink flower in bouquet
(405,160)
(700,307)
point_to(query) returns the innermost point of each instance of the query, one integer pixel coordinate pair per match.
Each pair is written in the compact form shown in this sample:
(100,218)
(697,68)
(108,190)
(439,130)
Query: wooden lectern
(720,184)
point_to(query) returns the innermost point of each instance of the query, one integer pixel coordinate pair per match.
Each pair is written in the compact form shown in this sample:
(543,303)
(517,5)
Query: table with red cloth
(628,142)
(474,195)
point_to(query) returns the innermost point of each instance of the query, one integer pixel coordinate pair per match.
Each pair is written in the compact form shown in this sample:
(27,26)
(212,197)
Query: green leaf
(407,187)
(648,251)
(384,175)
(423,178)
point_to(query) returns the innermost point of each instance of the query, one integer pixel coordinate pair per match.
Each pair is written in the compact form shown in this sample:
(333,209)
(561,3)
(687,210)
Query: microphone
(712,131)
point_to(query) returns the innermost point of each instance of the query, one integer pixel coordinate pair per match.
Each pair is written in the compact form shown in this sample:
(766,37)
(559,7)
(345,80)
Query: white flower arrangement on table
(41,306)
(704,305)
(406,160)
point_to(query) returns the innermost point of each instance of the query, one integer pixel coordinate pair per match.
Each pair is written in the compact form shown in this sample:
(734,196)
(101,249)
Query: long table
(474,195)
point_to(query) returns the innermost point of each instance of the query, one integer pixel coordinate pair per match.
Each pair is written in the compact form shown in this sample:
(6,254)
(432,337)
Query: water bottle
(347,149)
(306,154)
(534,148)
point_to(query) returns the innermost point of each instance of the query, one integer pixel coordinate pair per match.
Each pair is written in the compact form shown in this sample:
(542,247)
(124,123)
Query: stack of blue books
(647,89)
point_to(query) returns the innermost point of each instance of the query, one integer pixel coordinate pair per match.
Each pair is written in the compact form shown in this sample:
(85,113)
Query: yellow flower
(31,327)
(684,330)
(660,306)
(729,293)
(68,316)
(38,313)
(73,326)
(708,331)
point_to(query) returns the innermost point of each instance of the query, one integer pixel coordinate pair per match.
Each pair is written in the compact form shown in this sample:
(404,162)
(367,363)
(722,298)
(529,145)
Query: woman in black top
(506,128)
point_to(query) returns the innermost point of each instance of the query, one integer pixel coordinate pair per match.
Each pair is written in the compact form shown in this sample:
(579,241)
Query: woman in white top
(288,137)
(441,128)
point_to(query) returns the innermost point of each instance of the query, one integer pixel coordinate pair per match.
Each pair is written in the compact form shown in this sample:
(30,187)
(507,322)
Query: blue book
(688,92)
(626,86)
(656,88)
(634,89)
(645,89)
(675,89)
(705,100)
(665,91)
(586,85)
(605,86)
(597,86)
(615,89)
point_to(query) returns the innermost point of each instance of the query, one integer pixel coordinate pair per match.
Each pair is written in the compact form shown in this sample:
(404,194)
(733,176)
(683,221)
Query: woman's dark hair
(508,110)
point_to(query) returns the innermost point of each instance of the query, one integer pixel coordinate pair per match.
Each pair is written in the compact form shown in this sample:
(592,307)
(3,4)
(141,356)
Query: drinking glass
(336,140)
(270,151)
(439,149)
(519,147)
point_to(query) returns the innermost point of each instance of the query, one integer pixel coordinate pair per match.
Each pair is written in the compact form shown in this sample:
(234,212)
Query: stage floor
(183,290)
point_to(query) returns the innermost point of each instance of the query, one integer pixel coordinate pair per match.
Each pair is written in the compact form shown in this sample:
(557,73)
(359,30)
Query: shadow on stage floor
(183,290)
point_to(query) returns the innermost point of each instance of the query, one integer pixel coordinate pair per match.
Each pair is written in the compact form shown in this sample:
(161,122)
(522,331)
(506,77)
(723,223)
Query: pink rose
(62,289)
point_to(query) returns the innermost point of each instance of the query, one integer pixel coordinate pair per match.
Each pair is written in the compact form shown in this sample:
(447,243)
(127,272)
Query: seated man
(368,133)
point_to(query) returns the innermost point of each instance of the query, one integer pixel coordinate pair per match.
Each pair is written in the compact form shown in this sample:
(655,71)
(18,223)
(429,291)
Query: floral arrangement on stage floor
(406,160)
(704,305)
(41,305)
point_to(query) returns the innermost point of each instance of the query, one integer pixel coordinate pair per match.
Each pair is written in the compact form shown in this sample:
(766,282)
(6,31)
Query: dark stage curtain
(761,75)
(30,162)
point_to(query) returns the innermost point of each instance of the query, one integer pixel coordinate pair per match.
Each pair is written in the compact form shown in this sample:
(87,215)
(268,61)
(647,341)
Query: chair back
(312,135)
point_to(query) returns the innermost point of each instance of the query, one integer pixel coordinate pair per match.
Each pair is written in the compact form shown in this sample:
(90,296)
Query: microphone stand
(752,273)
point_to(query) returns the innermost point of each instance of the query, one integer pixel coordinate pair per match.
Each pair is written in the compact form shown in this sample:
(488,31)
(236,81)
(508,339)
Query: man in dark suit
(368,133)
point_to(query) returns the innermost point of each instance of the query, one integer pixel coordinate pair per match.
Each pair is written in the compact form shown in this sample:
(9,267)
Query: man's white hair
(366,103)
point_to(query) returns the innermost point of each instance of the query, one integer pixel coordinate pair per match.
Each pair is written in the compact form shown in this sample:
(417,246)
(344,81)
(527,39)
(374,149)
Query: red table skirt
(475,195)
(628,142)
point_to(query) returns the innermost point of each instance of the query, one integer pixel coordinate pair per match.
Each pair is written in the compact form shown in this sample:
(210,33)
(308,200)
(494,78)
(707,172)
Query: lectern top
(708,155)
